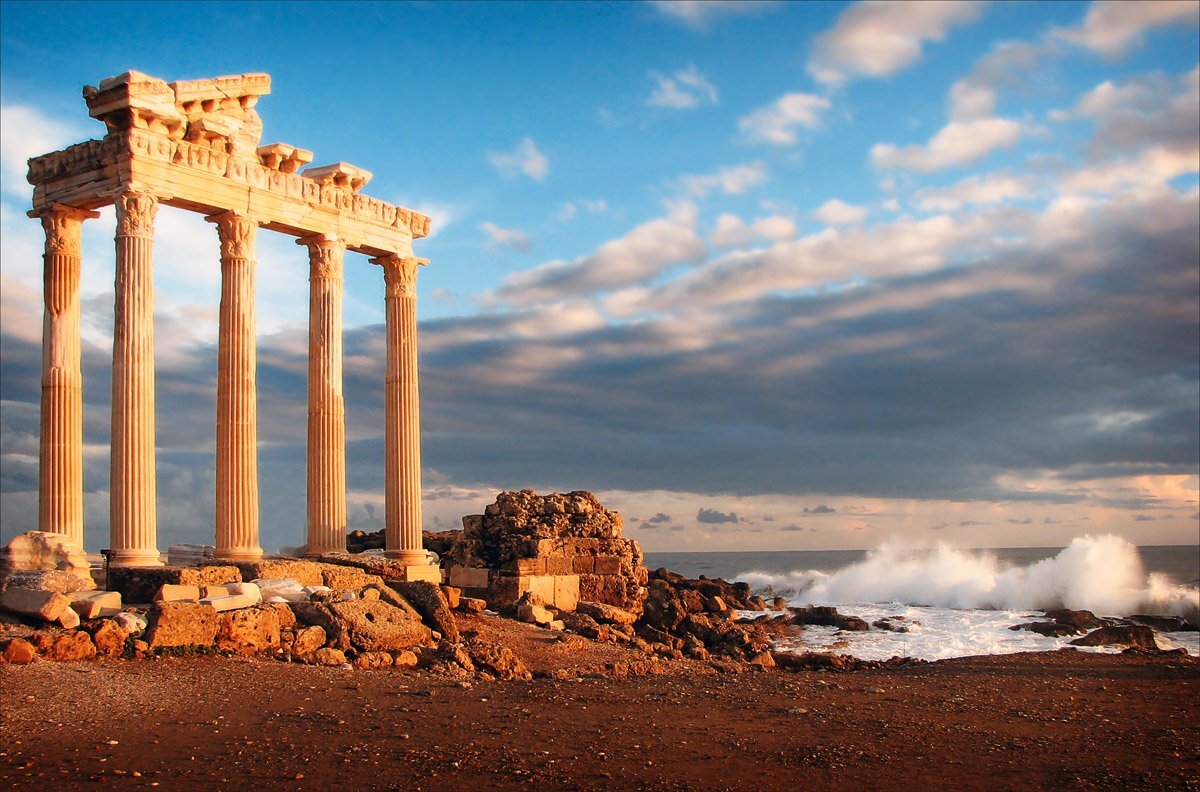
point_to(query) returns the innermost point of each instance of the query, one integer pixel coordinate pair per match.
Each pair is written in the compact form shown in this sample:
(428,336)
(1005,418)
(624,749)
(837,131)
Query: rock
(231,602)
(534,614)
(72,646)
(1081,620)
(177,593)
(586,626)
(373,660)
(109,638)
(431,603)
(1163,623)
(404,659)
(35,603)
(1137,636)
(133,623)
(287,619)
(1050,629)
(42,550)
(605,613)
(344,577)
(779,603)
(182,624)
(472,605)
(288,589)
(248,631)
(245,590)
(556,625)
(496,660)
(69,619)
(829,617)
(889,625)
(140,584)
(189,554)
(308,640)
(453,595)
(48,580)
(365,625)
(391,597)
(95,604)
(18,651)
(306,573)
(329,657)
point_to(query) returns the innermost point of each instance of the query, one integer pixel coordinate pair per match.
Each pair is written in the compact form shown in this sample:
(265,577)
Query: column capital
(325,253)
(236,231)
(136,210)
(64,227)
(400,274)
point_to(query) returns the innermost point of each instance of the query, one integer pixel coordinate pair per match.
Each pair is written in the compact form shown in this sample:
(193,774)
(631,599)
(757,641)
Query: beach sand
(1064,719)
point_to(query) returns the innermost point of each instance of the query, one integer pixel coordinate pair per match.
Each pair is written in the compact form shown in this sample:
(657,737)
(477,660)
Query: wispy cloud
(838,212)
(779,122)
(701,14)
(732,180)
(1117,26)
(686,88)
(525,158)
(507,237)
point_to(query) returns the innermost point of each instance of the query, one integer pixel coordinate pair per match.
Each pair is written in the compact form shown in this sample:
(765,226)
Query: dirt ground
(1063,720)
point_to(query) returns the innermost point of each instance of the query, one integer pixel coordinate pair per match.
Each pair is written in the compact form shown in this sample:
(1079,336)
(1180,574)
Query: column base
(418,557)
(426,573)
(134,558)
(238,553)
(312,555)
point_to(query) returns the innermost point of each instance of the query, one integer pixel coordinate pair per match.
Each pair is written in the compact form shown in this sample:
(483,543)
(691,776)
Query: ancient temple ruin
(195,145)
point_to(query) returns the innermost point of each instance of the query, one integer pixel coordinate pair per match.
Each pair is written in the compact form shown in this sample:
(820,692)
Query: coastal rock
(1136,636)
(1050,629)
(1163,623)
(182,624)
(889,625)
(1081,620)
(829,617)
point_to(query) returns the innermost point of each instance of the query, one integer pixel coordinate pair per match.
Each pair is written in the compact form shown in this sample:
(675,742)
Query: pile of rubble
(563,548)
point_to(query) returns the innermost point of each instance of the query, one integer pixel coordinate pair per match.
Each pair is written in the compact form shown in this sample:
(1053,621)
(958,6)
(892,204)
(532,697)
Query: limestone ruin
(195,145)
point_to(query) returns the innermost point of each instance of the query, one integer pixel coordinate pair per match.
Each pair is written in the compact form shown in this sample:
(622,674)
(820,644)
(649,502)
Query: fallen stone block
(307,573)
(109,638)
(178,593)
(248,631)
(472,604)
(346,578)
(43,550)
(308,640)
(245,589)
(189,554)
(431,603)
(36,603)
(18,651)
(207,592)
(231,602)
(405,658)
(327,656)
(453,595)
(72,646)
(182,624)
(605,613)
(69,619)
(467,577)
(566,592)
(534,614)
(140,584)
(95,604)
(133,623)
(48,580)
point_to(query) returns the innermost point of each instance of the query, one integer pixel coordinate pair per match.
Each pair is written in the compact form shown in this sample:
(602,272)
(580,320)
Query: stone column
(402,413)
(133,533)
(326,407)
(60,473)
(237,421)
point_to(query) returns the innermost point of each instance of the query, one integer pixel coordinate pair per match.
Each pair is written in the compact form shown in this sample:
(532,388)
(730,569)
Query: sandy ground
(1063,720)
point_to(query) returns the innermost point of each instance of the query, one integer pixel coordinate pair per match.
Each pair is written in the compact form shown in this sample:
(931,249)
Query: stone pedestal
(326,407)
(60,473)
(237,421)
(402,415)
(133,538)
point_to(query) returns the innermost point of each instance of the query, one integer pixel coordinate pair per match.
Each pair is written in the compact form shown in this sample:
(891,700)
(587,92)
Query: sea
(956,602)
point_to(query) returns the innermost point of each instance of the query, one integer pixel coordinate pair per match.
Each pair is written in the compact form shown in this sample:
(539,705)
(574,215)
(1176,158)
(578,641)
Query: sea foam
(1103,574)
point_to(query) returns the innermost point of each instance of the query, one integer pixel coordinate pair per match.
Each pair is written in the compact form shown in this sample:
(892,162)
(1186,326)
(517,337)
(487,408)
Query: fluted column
(326,407)
(60,472)
(402,413)
(133,532)
(237,420)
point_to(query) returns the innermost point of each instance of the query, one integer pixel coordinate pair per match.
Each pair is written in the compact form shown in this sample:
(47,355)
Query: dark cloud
(1023,521)
(822,509)
(1145,518)
(969,523)
(714,517)
(660,518)
(793,528)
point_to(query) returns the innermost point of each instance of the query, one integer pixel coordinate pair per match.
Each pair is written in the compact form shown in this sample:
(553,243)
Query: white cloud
(837,212)
(733,180)
(639,256)
(525,158)
(875,39)
(1155,110)
(984,189)
(957,144)
(686,88)
(566,212)
(732,231)
(699,14)
(1151,168)
(599,206)
(778,122)
(507,237)
(974,96)
(24,133)
(1116,26)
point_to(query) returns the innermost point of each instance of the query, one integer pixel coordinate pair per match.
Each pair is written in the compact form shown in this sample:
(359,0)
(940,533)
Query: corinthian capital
(325,253)
(236,232)
(400,274)
(135,213)
(64,229)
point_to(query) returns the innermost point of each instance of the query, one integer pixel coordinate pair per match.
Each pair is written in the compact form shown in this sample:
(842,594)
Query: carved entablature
(189,143)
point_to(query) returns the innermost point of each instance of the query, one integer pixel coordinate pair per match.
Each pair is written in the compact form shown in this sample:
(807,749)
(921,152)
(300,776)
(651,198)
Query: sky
(763,276)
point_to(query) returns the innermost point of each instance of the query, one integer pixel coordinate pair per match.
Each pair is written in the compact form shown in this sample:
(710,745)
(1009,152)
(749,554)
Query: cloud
(685,89)
(505,237)
(25,132)
(836,212)
(660,518)
(714,517)
(732,180)
(822,509)
(1155,110)
(701,14)
(525,158)
(1007,65)
(1117,26)
(732,231)
(955,145)
(881,38)
(1023,521)
(980,190)
(634,258)
(1144,518)
(779,122)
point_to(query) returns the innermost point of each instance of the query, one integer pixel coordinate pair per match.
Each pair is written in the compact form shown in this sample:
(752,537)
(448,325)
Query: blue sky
(763,275)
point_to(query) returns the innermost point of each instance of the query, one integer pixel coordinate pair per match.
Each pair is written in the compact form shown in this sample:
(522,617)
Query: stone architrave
(326,406)
(133,530)
(60,472)
(402,414)
(237,421)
